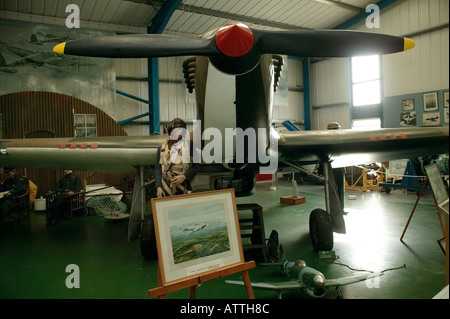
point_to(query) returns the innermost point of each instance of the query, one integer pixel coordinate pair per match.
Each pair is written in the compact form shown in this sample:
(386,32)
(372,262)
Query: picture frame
(408,105)
(431,119)
(430,101)
(196,234)
(408,118)
(446,102)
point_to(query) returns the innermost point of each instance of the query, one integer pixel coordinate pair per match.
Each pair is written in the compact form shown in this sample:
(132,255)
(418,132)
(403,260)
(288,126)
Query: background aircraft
(13,57)
(233,72)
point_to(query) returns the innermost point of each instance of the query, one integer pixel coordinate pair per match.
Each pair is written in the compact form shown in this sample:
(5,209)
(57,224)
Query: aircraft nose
(319,280)
(234,39)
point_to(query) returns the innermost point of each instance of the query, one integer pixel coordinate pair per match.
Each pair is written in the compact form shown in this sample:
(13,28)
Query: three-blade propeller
(235,41)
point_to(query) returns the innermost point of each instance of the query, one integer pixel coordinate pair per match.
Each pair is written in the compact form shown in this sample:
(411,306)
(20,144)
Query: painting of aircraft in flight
(195,228)
(305,279)
(233,71)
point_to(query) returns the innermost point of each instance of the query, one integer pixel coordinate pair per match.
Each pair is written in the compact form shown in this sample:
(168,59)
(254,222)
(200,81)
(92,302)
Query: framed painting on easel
(196,234)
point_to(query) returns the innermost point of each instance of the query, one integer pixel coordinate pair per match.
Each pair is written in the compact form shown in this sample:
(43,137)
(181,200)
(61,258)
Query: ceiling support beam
(231,16)
(159,22)
(341,5)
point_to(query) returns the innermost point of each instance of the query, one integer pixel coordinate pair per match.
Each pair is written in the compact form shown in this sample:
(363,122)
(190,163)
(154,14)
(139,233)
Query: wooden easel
(192,282)
(438,210)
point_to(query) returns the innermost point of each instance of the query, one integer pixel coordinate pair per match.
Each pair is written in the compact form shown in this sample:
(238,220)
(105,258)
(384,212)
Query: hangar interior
(44,95)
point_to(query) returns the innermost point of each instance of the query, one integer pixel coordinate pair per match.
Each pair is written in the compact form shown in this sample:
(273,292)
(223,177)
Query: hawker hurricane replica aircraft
(234,71)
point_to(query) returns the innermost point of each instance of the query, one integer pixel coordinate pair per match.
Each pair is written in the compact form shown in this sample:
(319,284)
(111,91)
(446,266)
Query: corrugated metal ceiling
(196,16)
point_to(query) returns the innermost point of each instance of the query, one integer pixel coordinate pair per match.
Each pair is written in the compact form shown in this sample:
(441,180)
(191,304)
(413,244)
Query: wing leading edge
(118,154)
(349,147)
(283,285)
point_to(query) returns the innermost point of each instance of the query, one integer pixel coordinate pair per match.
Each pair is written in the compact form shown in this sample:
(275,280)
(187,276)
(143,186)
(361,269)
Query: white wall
(424,68)
(174,98)
(292,106)
(125,106)
(329,93)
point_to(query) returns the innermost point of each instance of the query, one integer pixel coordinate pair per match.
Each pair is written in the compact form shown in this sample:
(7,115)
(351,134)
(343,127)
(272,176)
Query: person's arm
(59,186)
(79,184)
(158,174)
(192,171)
(158,171)
(20,187)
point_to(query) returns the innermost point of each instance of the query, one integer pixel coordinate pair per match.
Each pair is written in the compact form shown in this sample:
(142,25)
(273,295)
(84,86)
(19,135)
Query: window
(366,92)
(85,125)
(366,80)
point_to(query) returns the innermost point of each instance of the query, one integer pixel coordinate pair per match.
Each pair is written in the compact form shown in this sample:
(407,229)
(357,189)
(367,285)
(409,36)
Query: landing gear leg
(140,225)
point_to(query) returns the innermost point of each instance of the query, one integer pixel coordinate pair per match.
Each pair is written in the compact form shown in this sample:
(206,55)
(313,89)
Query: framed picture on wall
(408,105)
(432,119)
(430,101)
(408,118)
(446,99)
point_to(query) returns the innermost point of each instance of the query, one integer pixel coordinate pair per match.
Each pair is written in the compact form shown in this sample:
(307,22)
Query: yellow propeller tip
(408,44)
(59,48)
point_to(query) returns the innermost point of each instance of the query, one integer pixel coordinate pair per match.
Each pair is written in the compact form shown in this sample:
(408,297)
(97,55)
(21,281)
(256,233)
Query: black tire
(148,240)
(320,230)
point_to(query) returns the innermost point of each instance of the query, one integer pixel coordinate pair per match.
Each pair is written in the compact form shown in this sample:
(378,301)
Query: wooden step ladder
(253,227)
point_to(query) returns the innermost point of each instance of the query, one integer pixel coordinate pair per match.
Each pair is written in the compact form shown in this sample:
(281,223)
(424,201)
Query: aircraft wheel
(320,230)
(148,240)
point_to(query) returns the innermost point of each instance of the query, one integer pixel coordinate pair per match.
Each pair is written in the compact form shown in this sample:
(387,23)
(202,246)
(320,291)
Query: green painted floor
(34,257)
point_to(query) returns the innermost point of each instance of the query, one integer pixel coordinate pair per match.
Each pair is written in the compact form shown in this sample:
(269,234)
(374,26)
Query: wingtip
(408,44)
(59,48)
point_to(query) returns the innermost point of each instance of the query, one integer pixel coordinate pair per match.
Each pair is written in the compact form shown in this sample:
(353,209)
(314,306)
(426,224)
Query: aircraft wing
(283,285)
(294,284)
(349,280)
(122,154)
(350,147)
(114,154)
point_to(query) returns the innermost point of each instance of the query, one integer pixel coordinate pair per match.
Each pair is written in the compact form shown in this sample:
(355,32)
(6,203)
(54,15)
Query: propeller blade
(235,40)
(328,43)
(136,46)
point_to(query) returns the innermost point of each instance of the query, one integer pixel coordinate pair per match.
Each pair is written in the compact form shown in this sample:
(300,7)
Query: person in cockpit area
(176,170)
